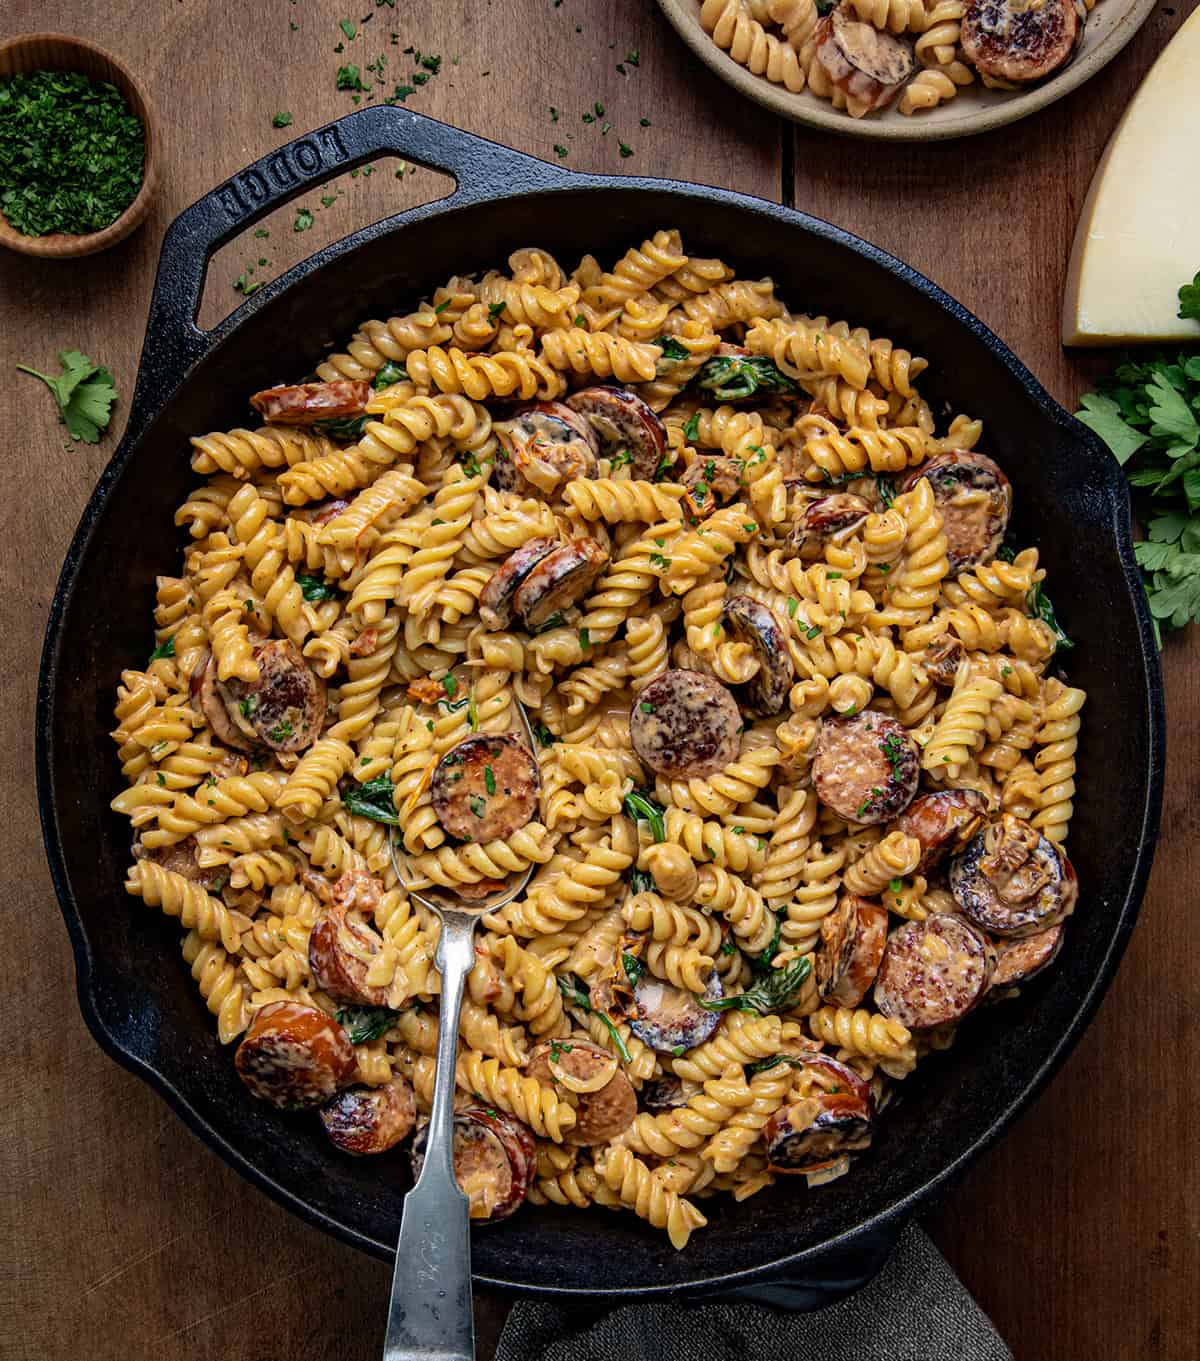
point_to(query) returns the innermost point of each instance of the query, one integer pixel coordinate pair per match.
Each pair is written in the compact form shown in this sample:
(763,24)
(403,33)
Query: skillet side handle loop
(481,170)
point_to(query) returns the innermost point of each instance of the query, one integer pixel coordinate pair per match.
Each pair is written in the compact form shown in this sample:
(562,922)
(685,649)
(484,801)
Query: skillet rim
(544,179)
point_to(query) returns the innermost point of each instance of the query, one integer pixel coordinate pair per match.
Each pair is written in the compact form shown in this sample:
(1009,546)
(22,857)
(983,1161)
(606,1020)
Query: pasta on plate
(804,766)
(864,55)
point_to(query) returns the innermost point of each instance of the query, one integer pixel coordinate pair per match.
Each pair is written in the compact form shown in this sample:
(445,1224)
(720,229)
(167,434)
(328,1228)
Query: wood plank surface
(124,1235)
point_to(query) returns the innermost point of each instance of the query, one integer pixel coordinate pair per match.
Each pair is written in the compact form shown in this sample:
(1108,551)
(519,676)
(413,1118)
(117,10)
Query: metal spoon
(430,1317)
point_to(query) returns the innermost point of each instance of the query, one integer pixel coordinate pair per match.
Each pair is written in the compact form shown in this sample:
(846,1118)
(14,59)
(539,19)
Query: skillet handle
(174,342)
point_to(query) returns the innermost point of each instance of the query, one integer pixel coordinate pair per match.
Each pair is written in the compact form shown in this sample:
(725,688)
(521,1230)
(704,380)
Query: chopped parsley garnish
(733,378)
(812,632)
(364,1024)
(692,427)
(316,588)
(282,120)
(304,220)
(584,638)
(477,805)
(450,685)
(634,968)
(495,309)
(373,799)
(71,153)
(646,707)
(390,373)
(166,649)
(641,807)
(489,779)
(777,990)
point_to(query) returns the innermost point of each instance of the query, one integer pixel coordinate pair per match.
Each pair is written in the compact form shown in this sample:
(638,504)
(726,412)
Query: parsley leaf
(84,392)
(1189,300)
(364,1024)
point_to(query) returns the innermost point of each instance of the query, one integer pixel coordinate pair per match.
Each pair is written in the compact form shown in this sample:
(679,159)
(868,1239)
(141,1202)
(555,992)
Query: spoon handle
(430,1317)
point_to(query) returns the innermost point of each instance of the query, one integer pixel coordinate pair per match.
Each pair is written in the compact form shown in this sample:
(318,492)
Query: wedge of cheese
(1138,237)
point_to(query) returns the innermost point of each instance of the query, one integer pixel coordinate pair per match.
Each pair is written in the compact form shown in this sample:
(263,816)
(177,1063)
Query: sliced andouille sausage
(933,972)
(1017,41)
(481,1167)
(495,600)
(285,708)
(747,620)
(211,701)
(485,788)
(975,499)
(942,659)
(295,1056)
(831,519)
(559,580)
(710,482)
(307,403)
(542,446)
(341,946)
(518,1142)
(666,1093)
(371,1119)
(623,423)
(669,1020)
(867,64)
(866,767)
(179,858)
(852,939)
(1017,961)
(943,823)
(824,1072)
(813,1132)
(685,725)
(607,1102)
(1011,881)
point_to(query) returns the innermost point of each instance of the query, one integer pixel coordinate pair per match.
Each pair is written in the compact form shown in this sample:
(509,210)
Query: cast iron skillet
(1070,499)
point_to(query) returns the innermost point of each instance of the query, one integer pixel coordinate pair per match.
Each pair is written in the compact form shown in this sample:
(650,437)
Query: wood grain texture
(123,1232)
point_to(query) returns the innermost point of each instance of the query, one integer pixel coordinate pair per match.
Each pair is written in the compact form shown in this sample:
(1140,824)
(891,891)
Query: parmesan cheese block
(1138,237)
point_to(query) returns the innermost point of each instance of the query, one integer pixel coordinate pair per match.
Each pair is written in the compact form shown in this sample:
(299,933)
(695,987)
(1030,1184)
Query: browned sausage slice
(866,767)
(1012,881)
(943,823)
(624,425)
(832,519)
(485,788)
(1017,961)
(295,1056)
(495,600)
(942,659)
(666,1093)
(210,699)
(852,939)
(576,1065)
(481,1167)
(371,1119)
(975,499)
(747,620)
(285,708)
(341,946)
(179,858)
(709,482)
(542,446)
(867,64)
(307,403)
(1019,41)
(933,972)
(559,580)
(815,1131)
(685,725)
(519,1144)
(670,1020)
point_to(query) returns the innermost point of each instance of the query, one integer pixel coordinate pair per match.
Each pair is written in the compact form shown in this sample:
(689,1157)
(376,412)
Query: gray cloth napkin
(915,1309)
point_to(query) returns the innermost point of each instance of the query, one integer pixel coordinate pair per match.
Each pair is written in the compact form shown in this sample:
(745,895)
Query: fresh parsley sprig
(1148,413)
(84,392)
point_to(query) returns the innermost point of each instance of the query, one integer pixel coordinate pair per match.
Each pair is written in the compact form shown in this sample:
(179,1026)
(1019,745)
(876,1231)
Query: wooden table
(123,1236)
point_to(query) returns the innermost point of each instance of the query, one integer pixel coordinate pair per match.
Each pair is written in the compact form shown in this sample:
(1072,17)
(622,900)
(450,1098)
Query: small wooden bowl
(59,52)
